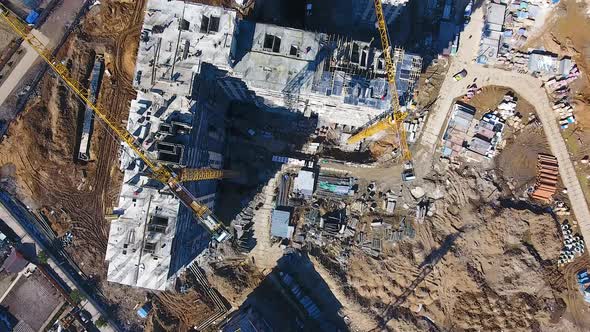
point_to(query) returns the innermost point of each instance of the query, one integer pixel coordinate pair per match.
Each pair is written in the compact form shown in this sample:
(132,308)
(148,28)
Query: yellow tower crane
(396,118)
(158,171)
(201,174)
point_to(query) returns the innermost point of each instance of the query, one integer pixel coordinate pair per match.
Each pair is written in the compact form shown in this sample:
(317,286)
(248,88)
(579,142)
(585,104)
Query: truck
(467,13)
(460,75)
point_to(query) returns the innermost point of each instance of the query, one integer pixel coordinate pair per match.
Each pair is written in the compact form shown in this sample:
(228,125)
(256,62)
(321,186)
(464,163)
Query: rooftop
(15,262)
(144,247)
(280,224)
(480,146)
(548,64)
(23,300)
(141,238)
(496,13)
(304,183)
(268,56)
(332,75)
(177,37)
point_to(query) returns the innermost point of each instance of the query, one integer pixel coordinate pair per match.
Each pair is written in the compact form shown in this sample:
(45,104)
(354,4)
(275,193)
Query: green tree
(42,257)
(100,322)
(76,296)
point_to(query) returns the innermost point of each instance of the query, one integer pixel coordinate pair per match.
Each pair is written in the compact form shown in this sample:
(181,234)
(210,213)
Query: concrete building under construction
(193,61)
(339,79)
(153,236)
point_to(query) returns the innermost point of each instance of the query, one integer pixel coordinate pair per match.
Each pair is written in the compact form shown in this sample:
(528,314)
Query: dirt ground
(517,163)
(482,263)
(430,83)
(236,280)
(41,144)
(37,160)
(6,36)
(491,96)
(478,264)
(179,312)
(565,33)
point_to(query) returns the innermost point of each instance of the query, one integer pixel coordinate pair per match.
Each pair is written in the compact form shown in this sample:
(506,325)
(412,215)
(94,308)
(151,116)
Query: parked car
(460,75)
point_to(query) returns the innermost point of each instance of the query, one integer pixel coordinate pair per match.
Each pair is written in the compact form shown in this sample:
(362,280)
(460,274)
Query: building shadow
(423,27)
(233,121)
(293,297)
(248,134)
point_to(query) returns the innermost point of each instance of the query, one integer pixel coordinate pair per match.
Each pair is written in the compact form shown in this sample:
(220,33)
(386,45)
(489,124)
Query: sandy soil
(6,35)
(518,161)
(474,266)
(40,149)
(565,33)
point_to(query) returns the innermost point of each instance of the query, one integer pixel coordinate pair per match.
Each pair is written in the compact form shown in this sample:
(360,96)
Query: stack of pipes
(547,174)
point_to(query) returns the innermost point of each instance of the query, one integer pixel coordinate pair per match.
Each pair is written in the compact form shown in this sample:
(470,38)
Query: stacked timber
(547,177)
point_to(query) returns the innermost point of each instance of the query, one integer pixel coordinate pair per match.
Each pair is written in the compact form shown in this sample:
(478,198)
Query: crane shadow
(426,267)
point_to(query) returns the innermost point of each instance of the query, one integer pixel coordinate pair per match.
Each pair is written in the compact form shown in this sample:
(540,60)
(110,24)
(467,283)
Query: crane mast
(158,170)
(396,117)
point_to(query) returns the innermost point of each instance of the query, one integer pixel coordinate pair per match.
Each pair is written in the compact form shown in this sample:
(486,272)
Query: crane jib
(160,172)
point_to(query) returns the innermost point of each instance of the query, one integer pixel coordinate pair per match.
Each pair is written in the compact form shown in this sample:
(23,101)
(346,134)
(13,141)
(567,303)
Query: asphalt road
(45,239)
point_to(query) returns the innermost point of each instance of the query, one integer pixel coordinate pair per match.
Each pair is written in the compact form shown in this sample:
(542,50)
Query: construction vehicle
(396,118)
(158,170)
(460,75)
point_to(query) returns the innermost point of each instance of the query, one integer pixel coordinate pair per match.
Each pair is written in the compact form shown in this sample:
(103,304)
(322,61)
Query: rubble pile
(506,110)
(565,111)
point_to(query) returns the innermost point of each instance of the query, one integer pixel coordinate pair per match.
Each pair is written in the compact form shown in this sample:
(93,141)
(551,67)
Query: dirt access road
(528,87)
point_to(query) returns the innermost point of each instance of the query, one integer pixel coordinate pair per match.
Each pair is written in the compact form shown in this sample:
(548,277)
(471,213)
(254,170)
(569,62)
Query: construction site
(304,165)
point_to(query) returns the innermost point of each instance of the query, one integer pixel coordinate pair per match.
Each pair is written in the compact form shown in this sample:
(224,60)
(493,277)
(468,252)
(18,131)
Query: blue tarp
(32,17)
(522,14)
(447,151)
(144,310)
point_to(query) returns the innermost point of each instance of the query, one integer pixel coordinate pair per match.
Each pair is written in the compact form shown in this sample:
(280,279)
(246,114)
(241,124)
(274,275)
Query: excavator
(167,176)
(396,118)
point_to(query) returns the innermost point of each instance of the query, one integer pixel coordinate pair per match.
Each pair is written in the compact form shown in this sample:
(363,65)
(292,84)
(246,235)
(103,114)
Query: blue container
(32,17)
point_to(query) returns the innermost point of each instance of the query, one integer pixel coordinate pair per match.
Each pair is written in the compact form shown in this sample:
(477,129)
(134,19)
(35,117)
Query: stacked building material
(547,173)
(573,244)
